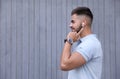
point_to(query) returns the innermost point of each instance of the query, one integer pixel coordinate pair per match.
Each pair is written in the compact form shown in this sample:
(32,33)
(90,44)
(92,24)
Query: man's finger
(80,31)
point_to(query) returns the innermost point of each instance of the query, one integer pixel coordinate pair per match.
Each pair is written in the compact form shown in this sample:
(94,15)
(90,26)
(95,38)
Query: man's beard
(78,29)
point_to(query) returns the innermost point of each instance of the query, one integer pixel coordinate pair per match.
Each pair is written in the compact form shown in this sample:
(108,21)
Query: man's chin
(73,30)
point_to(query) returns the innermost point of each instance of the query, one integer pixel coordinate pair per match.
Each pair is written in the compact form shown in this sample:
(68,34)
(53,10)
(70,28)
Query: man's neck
(85,33)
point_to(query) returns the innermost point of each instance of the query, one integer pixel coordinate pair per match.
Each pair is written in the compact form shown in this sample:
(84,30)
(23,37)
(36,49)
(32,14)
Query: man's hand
(74,35)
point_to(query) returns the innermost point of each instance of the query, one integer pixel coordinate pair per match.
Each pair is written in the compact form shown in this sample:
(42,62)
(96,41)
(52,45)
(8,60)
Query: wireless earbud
(83,24)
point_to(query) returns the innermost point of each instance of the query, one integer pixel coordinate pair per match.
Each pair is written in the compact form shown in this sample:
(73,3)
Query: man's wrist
(69,40)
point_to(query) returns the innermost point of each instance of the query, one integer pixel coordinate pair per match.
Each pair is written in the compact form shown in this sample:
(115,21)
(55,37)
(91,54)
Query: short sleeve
(86,49)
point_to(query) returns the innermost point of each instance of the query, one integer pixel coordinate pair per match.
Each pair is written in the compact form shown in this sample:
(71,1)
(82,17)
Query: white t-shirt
(90,49)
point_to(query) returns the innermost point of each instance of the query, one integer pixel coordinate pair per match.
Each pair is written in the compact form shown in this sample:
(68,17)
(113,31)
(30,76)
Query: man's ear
(84,23)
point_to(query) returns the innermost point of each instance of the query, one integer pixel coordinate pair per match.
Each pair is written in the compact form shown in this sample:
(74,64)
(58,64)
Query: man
(82,52)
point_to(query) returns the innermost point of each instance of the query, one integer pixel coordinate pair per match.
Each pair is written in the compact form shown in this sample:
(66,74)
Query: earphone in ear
(83,24)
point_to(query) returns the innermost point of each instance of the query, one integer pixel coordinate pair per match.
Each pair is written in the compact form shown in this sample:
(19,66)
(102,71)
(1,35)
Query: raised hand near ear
(78,34)
(82,27)
(74,35)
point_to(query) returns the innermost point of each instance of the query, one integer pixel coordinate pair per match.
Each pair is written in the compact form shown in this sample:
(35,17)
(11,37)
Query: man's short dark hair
(82,11)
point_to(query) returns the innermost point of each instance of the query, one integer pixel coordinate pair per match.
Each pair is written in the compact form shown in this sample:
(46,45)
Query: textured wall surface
(32,33)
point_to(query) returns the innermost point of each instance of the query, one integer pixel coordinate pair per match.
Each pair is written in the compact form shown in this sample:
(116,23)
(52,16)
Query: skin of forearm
(66,54)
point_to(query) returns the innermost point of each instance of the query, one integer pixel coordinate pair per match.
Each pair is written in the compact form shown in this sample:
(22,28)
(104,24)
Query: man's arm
(70,61)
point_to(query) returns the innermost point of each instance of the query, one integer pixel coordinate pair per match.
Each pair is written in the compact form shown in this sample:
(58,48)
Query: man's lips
(73,29)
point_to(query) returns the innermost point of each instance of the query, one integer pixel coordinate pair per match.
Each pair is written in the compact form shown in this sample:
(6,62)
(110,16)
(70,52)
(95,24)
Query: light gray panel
(64,28)
(42,39)
(49,39)
(85,2)
(0,40)
(112,39)
(37,40)
(74,4)
(107,41)
(13,38)
(25,39)
(58,37)
(31,24)
(36,27)
(3,39)
(19,39)
(8,41)
(101,27)
(64,19)
(53,37)
(79,2)
(69,7)
(95,10)
(117,24)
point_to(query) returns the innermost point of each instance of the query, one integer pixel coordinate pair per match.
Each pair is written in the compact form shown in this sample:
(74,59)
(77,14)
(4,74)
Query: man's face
(75,23)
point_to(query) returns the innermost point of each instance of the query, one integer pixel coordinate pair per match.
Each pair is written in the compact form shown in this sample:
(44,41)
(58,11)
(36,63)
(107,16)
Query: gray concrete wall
(32,34)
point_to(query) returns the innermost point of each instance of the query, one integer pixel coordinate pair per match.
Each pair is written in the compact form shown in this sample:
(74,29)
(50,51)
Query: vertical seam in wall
(103,36)
(56,39)
(16,42)
(66,15)
(110,47)
(39,42)
(51,38)
(5,40)
(104,33)
(61,40)
(0,38)
(115,39)
(28,38)
(22,42)
(40,36)
(98,19)
(46,38)
(11,42)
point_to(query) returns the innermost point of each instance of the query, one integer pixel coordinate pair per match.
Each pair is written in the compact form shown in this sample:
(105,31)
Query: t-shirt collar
(86,37)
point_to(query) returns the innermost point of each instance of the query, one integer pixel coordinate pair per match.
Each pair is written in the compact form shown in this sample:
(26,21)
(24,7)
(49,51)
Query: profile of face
(76,23)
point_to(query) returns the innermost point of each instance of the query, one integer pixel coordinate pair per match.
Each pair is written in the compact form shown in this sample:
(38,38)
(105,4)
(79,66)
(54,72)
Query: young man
(82,52)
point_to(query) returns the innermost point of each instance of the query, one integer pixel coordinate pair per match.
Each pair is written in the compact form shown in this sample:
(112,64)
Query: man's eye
(72,21)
